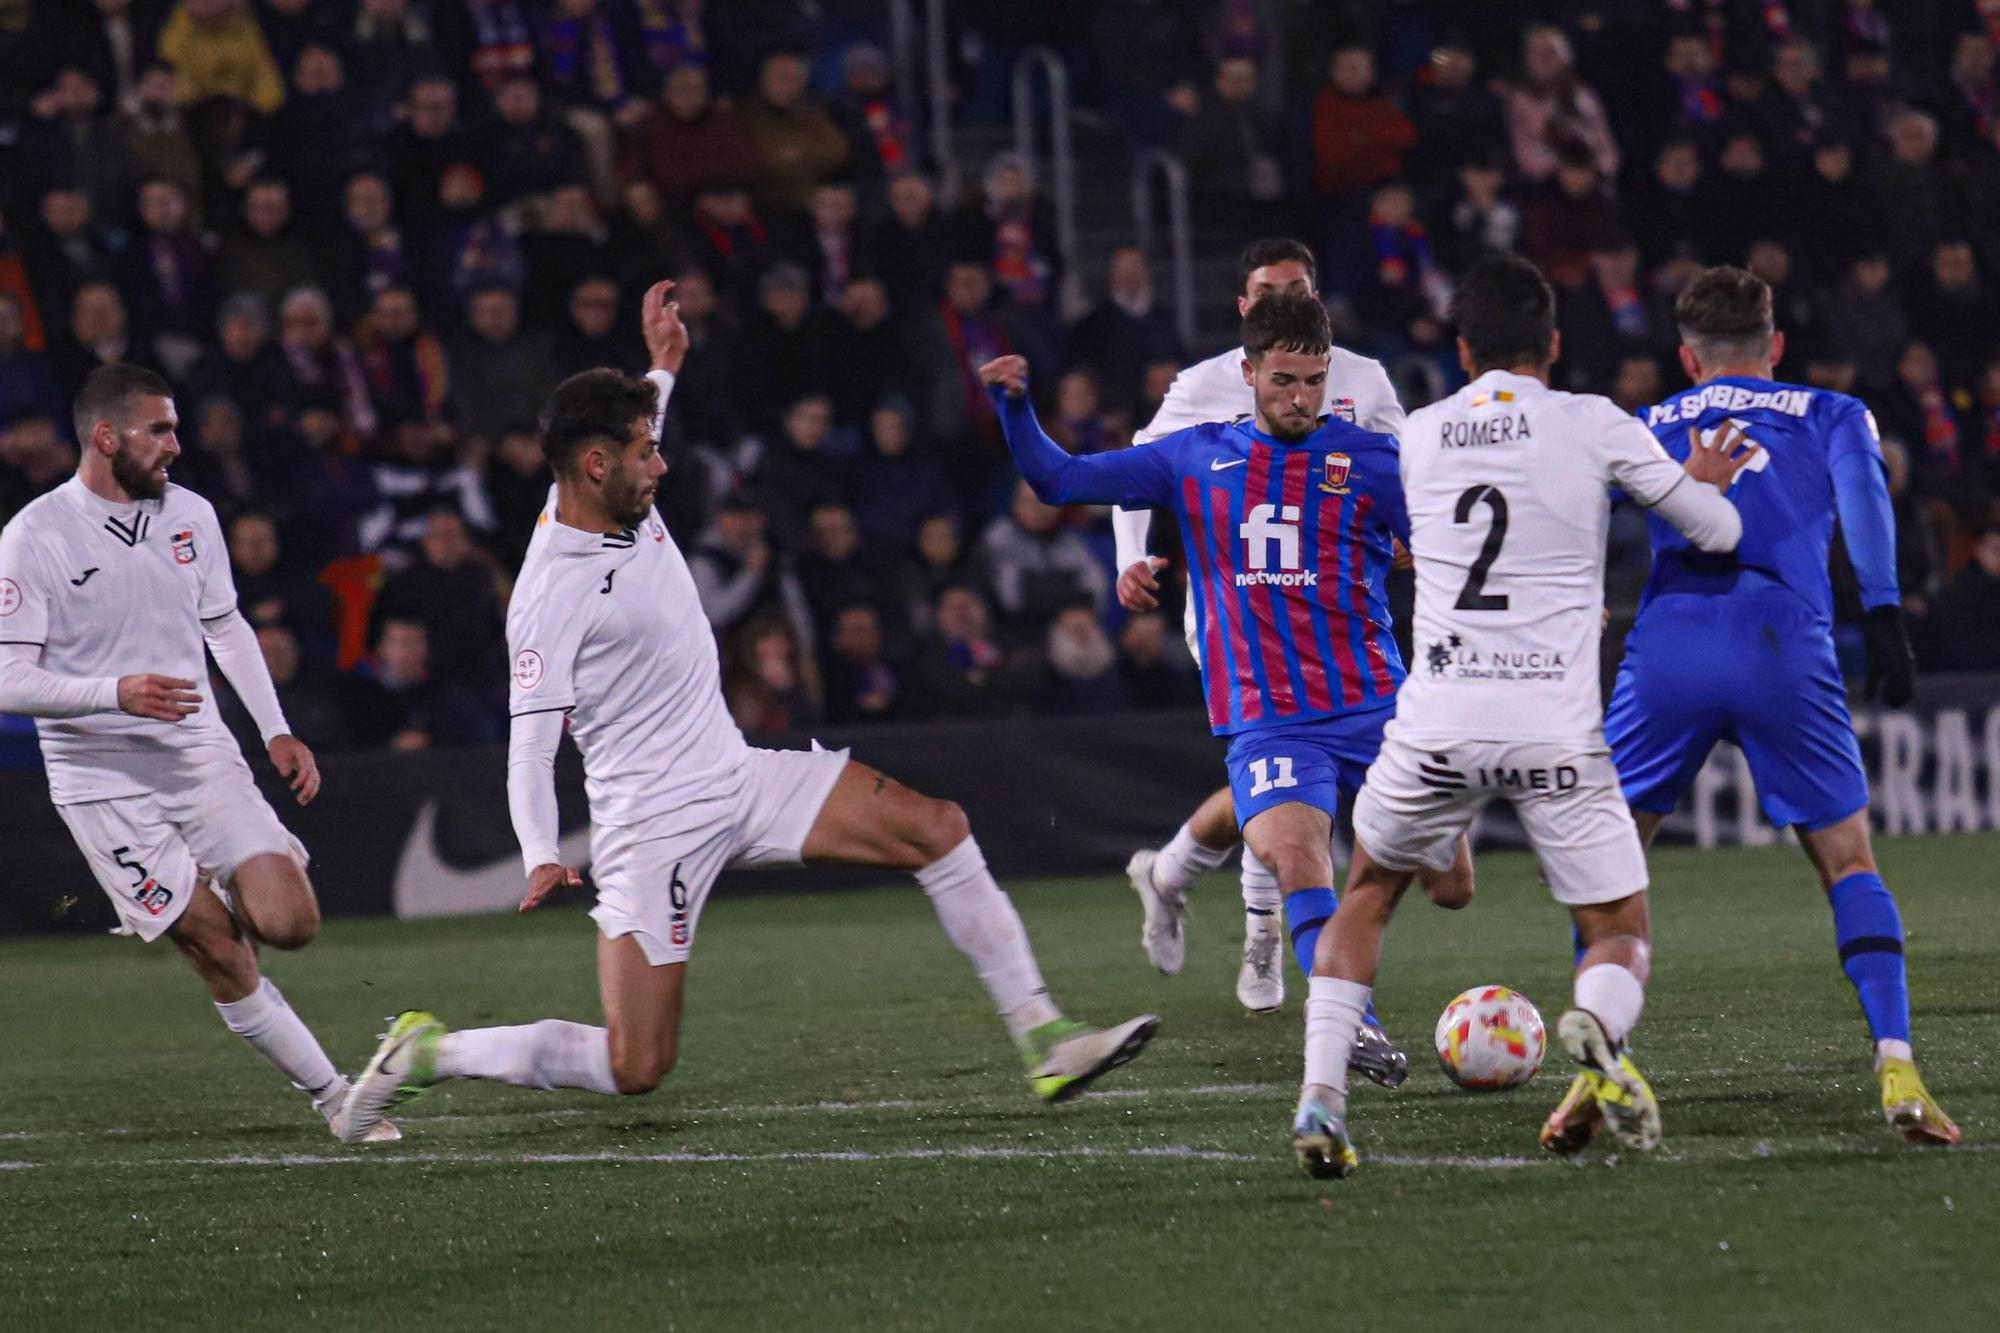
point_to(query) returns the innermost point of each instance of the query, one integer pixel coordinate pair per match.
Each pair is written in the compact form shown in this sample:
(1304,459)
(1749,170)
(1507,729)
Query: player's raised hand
(1718,461)
(1139,585)
(296,765)
(162,698)
(666,336)
(546,880)
(1007,372)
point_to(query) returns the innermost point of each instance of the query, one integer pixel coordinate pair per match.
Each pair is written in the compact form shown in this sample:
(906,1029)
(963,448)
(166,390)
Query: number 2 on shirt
(1261,770)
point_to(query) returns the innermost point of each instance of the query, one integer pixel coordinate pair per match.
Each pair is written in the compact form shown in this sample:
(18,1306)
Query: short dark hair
(1275,250)
(594,406)
(1289,323)
(108,390)
(1725,307)
(1506,312)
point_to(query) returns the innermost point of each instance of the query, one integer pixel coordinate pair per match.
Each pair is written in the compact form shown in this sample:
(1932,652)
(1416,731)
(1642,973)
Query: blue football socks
(1306,913)
(1870,934)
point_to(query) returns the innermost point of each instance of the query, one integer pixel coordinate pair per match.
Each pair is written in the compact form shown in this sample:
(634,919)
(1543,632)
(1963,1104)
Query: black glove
(1892,667)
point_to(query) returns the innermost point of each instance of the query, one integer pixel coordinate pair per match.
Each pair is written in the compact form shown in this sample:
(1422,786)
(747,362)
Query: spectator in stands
(731,241)
(1567,217)
(391,702)
(796,141)
(500,372)
(706,407)
(63,253)
(1966,611)
(835,252)
(319,137)
(1869,325)
(1919,411)
(1479,218)
(862,684)
(1796,111)
(738,574)
(969,331)
(878,142)
(275,592)
(1457,119)
(517,482)
(565,241)
(27,383)
(1692,101)
(1083,675)
(217,50)
(308,695)
(72,140)
(402,362)
(912,245)
(1038,564)
(98,336)
(836,570)
(770,681)
(1403,294)
(592,334)
(368,252)
(1910,176)
(1011,228)
(1845,217)
(1359,136)
(1550,108)
(36,460)
(167,276)
(795,474)
(685,142)
(785,342)
(156,138)
(391,48)
(939,560)
(868,355)
(961,671)
(528,150)
(1147,653)
(1952,308)
(449,590)
(426,141)
(265,256)
(897,480)
(1232,153)
(316,358)
(1125,332)
(243,366)
(1608,317)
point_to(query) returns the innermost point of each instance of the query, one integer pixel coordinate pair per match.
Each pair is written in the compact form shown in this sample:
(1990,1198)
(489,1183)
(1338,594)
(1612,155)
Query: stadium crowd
(365,238)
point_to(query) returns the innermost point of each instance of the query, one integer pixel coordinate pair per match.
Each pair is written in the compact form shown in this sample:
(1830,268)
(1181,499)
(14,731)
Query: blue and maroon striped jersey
(1288,551)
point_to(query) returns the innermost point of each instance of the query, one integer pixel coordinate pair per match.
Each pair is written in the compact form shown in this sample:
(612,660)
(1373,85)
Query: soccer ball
(1490,1039)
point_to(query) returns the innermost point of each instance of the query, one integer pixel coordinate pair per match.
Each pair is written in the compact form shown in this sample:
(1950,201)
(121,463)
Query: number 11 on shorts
(1261,770)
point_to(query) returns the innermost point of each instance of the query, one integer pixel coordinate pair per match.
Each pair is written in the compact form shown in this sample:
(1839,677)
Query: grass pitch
(849,1141)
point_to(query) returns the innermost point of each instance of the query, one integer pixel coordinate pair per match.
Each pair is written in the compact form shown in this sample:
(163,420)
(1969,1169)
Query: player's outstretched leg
(1609,995)
(870,819)
(1295,840)
(1162,877)
(1337,996)
(1869,932)
(219,948)
(1260,980)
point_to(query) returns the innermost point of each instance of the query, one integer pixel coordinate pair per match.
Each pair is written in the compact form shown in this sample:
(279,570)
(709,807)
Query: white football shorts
(654,877)
(1417,800)
(148,852)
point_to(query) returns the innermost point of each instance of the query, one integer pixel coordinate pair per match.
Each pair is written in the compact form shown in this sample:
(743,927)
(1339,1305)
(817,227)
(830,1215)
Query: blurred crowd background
(365,238)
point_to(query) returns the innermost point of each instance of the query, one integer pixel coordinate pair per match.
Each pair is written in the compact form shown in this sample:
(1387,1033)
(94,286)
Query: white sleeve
(1702,515)
(233,645)
(544,642)
(532,739)
(26,689)
(1381,412)
(663,380)
(1129,530)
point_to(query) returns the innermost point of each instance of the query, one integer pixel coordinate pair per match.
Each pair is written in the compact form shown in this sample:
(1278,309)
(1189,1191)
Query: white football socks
(1334,1010)
(980,921)
(550,1054)
(1613,994)
(1260,886)
(1182,859)
(276,1032)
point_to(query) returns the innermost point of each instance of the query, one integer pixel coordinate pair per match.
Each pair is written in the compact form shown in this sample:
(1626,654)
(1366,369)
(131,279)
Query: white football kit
(91,591)
(1357,390)
(608,630)
(1508,486)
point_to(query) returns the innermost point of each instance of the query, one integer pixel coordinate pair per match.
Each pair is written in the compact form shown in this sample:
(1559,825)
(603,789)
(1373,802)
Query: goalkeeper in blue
(1742,647)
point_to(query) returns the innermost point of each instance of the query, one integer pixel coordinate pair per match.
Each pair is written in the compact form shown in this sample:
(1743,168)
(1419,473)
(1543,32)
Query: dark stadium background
(364,238)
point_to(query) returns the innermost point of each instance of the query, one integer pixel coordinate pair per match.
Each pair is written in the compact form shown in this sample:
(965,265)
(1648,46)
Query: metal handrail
(1062,158)
(937,67)
(1180,232)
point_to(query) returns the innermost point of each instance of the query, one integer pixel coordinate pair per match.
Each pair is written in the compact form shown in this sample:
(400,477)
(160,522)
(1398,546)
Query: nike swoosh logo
(426,886)
(83,578)
(1218,464)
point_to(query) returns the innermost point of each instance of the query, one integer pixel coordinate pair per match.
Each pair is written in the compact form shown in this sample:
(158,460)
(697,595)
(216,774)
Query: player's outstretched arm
(532,739)
(233,645)
(27,689)
(666,335)
(1128,477)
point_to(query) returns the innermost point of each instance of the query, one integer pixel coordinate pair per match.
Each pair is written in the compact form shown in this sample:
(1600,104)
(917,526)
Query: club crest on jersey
(184,546)
(1338,467)
(1342,408)
(153,897)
